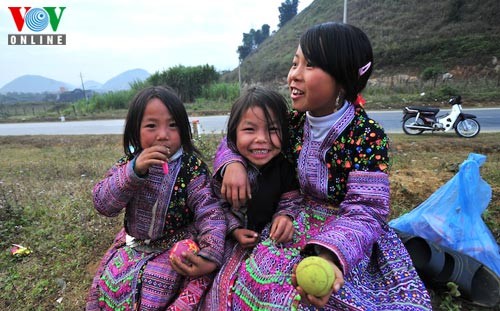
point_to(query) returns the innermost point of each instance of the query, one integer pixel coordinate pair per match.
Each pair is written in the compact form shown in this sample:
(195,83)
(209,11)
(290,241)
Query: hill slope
(123,80)
(407,36)
(39,84)
(35,84)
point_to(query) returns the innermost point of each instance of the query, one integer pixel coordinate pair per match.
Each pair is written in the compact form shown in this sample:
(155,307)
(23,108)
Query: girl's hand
(235,187)
(320,302)
(281,229)
(196,267)
(154,155)
(246,238)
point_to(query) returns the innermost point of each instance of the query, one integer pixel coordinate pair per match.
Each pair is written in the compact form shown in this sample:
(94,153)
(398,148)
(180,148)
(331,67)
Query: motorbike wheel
(412,121)
(467,128)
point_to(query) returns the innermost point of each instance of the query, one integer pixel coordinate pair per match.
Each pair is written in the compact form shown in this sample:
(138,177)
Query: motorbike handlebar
(455,100)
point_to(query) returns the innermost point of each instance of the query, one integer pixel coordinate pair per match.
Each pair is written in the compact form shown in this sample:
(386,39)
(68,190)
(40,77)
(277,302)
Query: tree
(432,73)
(187,81)
(252,40)
(247,47)
(266,30)
(288,10)
(261,35)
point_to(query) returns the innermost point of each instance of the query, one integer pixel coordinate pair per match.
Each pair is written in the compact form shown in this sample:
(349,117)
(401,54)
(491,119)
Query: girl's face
(311,88)
(158,127)
(256,140)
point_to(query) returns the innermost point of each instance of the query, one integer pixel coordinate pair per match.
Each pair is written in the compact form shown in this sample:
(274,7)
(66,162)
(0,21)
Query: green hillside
(461,37)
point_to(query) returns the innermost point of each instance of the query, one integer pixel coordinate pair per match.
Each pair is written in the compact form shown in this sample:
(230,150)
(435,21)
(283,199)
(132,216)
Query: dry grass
(45,204)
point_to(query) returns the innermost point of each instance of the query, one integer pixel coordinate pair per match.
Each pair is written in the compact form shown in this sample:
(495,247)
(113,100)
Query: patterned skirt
(219,295)
(132,279)
(383,280)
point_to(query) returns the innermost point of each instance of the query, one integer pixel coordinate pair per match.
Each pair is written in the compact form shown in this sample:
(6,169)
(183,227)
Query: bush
(431,73)
(221,92)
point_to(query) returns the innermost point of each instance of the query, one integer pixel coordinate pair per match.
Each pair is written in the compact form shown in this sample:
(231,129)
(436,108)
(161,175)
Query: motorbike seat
(424,109)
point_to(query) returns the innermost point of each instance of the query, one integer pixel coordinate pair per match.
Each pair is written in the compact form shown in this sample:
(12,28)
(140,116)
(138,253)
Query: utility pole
(83,88)
(239,74)
(345,12)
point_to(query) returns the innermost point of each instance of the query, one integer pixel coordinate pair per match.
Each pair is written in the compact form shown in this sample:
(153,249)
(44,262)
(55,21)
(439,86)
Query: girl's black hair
(132,132)
(266,99)
(340,50)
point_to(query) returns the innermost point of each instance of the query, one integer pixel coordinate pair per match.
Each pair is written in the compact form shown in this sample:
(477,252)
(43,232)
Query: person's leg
(160,283)
(190,296)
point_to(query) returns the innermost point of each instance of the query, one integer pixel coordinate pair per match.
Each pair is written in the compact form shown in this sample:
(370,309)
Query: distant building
(73,96)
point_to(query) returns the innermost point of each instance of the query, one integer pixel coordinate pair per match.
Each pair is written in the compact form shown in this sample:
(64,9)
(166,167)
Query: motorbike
(417,119)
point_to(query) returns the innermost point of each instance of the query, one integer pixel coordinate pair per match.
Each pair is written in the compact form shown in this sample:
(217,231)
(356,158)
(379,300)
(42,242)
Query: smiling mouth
(260,151)
(296,91)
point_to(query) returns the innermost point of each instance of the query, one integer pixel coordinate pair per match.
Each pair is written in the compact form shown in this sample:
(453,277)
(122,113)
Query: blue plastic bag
(451,216)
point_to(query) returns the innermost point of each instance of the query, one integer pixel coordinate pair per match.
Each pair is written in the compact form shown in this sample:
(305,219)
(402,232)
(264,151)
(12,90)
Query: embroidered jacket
(159,205)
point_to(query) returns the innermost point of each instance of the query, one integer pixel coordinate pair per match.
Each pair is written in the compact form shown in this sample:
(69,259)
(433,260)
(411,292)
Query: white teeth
(297,92)
(260,151)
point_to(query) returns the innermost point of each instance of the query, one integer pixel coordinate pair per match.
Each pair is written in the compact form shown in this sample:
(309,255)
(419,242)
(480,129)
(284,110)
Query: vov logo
(37,20)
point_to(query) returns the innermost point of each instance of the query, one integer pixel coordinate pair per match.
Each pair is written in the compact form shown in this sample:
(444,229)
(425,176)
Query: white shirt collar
(320,126)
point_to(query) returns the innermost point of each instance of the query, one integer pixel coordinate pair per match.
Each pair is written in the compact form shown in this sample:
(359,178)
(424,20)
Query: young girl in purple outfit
(257,131)
(341,156)
(162,206)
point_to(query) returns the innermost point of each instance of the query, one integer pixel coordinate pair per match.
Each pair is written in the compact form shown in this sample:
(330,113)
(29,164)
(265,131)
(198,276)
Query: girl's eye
(247,129)
(173,124)
(273,129)
(310,64)
(150,125)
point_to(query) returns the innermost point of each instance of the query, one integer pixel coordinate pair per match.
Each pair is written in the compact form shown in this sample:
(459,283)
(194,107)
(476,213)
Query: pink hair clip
(364,69)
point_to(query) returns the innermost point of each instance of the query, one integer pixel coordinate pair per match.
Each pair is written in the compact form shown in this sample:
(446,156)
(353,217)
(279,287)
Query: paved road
(489,119)
(210,124)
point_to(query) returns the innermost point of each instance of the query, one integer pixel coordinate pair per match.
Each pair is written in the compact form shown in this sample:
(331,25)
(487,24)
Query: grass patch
(45,204)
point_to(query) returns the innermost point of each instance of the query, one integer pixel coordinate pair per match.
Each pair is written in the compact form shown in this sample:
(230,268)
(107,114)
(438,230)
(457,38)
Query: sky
(107,37)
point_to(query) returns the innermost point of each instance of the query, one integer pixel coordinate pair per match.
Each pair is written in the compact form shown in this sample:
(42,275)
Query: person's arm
(111,194)
(291,199)
(233,222)
(365,208)
(223,156)
(209,220)
(282,224)
(231,167)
